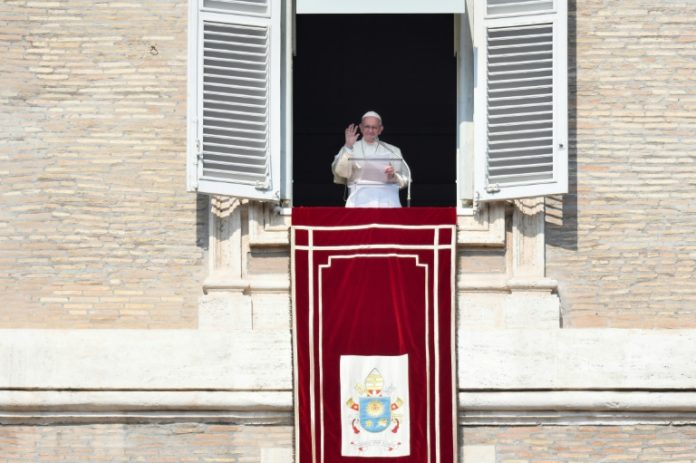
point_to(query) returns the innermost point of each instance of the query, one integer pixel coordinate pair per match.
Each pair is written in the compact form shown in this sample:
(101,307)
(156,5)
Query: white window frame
(379,6)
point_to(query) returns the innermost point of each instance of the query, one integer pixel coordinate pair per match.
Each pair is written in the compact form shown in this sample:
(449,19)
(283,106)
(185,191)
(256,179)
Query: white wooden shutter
(234,99)
(520,100)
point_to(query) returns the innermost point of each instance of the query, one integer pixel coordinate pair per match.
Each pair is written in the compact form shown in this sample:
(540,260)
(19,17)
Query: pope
(373,170)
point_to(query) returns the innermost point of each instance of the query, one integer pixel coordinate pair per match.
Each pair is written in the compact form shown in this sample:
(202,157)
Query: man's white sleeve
(341,166)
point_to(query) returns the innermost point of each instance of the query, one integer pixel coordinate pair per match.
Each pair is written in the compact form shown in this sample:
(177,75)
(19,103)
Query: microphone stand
(408,187)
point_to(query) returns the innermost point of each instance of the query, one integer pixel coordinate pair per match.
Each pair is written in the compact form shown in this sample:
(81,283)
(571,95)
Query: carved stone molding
(528,256)
(267,226)
(225,240)
(487,228)
(236,226)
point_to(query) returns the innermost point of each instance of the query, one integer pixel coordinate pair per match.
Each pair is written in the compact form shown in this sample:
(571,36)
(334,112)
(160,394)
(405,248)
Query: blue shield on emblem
(375,413)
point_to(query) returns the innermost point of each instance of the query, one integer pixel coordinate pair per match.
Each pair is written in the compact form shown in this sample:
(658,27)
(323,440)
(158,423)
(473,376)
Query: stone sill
(282,401)
(275,407)
(220,282)
(494,282)
(269,227)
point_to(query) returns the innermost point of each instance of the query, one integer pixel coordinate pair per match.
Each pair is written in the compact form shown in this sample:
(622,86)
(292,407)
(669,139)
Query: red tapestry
(373,316)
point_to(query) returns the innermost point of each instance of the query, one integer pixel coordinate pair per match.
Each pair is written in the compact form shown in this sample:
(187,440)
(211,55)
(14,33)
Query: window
(401,65)
(511,104)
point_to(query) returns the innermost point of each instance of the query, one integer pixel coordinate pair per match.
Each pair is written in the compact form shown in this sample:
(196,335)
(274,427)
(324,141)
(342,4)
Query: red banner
(373,316)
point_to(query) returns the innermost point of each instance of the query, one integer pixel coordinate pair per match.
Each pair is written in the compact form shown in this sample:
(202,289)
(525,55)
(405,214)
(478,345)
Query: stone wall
(152,443)
(622,243)
(96,226)
(201,442)
(582,444)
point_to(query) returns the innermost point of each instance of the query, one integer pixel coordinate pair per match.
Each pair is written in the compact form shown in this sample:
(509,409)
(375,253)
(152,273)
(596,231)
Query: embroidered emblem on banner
(374,413)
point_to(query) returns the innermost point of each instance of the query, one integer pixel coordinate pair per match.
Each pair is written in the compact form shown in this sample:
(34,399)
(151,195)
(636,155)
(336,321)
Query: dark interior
(403,67)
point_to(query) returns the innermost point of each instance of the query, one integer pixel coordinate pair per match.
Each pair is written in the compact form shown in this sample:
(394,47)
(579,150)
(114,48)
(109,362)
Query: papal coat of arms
(374,408)
(377,412)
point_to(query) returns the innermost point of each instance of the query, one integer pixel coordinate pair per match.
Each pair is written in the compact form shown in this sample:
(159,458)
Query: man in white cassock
(373,170)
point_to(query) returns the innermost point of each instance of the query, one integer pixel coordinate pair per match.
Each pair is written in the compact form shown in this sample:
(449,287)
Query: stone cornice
(275,407)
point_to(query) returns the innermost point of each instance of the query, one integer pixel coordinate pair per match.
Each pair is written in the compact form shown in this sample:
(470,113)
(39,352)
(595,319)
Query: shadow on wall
(562,211)
(202,221)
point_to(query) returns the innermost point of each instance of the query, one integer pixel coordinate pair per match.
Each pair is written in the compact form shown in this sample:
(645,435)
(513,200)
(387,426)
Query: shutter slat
(224,71)
(237,35)
(509,136)
(545,78)
(249,66)
(506,38)
(257,142)
(210,46)
(519,140)
(542,89)
(238,95)
(511,63)
(547,115)
(511,99)
(545,45)
(541,158)
(250,114)
(224,165)
(244,104)
(233,121)
(223,156)
(519,177)
(524,168)
(249,2)
(240,151)
(533,123)
(260,57)
(259,7)
(236,129)
(509,109)
(218,147)
(216,84)
(241,176)
(518,72)
(532,75)
(508,7)
(260,133)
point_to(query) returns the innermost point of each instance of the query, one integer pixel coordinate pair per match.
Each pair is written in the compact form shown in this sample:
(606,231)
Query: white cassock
(362,169)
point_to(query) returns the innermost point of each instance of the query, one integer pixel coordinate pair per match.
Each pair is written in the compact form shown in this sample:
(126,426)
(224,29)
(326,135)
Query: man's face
(371,128)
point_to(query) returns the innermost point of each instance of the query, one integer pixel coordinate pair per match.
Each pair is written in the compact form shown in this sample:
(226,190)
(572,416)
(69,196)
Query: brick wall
(190,442)
(151,443)
(584,444)
(96,228)
(622,244)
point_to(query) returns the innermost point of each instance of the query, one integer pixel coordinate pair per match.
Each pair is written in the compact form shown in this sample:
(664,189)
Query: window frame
(469,162)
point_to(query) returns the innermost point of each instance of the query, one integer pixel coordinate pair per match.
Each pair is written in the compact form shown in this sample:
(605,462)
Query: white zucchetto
(372,114)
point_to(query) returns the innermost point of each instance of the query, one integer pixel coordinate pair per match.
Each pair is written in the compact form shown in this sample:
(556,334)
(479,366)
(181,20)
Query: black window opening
(403,67)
